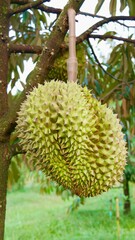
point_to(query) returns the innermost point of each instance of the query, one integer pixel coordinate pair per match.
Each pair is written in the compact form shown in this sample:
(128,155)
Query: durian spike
(72,64)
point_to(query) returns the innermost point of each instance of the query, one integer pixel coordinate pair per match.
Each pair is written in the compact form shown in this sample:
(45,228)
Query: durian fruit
(59,68)
(71,137)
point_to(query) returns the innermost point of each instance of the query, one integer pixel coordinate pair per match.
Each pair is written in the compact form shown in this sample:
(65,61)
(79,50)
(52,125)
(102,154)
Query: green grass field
(32,216)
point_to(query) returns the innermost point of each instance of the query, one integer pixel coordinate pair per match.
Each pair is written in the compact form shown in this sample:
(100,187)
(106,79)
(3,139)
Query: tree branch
(44,63)
(100,16)
(124,25)
(20,2)
(49,9)
(27,6)
(105,36)
(91,15)
(86,34)
(22,48)
(40,7)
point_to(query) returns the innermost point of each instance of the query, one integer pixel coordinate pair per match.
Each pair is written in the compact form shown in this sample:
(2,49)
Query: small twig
(124,25)
(105,36)
(27,6)
(49,9)
(21,48)
(40,7)
(19,2)
(91,15)
(100,16)
(96,26)
(52,23)
(100,65)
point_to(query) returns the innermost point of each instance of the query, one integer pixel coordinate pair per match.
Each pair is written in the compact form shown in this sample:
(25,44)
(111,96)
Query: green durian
(71,137)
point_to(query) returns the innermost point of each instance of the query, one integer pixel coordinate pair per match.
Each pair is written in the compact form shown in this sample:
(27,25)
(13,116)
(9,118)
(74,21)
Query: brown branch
(22,48)
(40,7)
(96,26)
(27,6)
(44,63)
(124,25)
(100,16)
(20,2)
(49,9)
(91,15)
(105,36)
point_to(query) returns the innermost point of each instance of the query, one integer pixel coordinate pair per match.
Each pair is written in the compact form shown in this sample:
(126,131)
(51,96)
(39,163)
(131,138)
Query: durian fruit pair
(71,137)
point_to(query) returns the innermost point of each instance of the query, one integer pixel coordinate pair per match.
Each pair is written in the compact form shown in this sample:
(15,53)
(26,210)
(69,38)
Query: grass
(31,216)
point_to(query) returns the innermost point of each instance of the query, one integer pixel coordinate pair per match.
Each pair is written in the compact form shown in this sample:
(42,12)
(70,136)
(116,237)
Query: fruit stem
(72,60)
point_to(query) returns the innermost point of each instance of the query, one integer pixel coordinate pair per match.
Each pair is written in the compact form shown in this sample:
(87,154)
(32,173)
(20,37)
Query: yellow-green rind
(72,137)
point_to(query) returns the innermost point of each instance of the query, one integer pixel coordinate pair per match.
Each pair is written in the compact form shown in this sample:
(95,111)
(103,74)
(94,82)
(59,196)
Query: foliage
(113,6)
(31,34)
(112,80)
(15,172)
(35,29)
(32,31)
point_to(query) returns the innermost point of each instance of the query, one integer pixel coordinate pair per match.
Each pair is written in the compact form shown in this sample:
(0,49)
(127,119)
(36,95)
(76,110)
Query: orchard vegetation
(25,32)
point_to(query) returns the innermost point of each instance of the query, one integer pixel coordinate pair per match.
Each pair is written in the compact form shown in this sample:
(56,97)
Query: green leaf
(115,54)
(25,16)
(75,204)
(21,65)
(111,33)
(99,5)
(13,82)
(91,72)
(132,50)
(131,4)
(98,87)
(112,7)
(14,172)
(43,18)
(125,63)
(123,4)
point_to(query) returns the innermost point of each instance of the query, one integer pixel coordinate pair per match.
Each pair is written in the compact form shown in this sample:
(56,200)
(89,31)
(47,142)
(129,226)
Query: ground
(32,216)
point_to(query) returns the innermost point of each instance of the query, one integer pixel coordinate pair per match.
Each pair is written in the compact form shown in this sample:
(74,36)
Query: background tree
(24,33)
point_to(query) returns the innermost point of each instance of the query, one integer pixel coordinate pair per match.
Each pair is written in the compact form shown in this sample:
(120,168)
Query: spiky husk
(72,137)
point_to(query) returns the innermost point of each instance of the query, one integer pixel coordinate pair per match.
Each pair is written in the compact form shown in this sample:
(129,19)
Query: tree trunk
(4,164)
(4,136)
(127,204)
